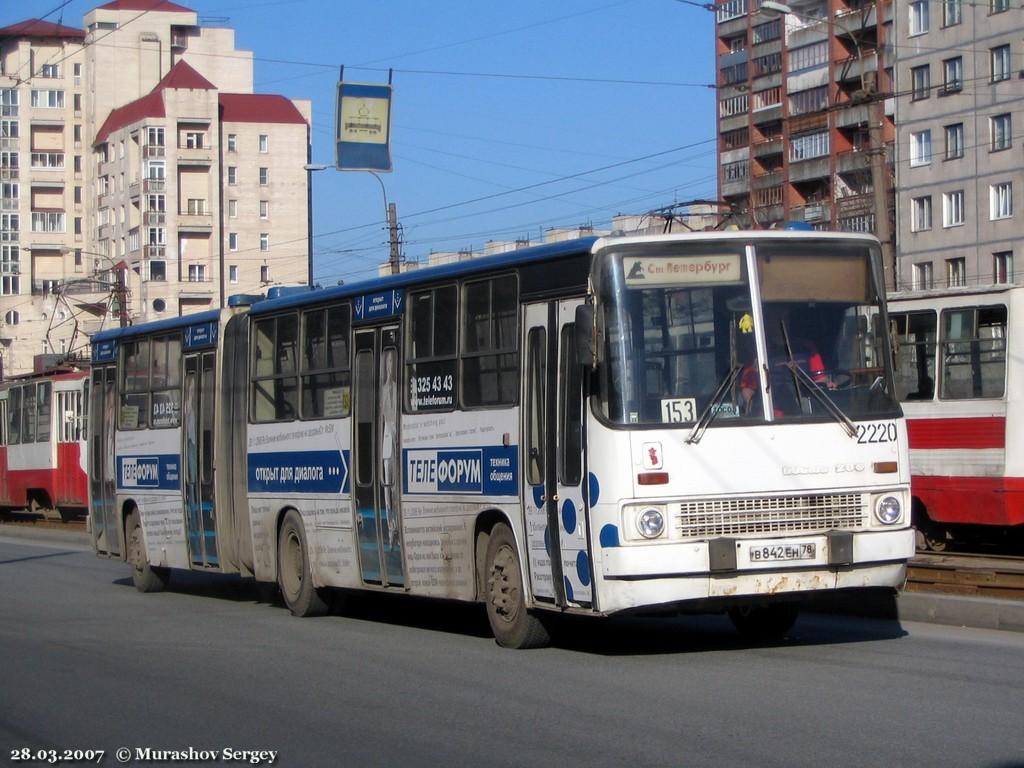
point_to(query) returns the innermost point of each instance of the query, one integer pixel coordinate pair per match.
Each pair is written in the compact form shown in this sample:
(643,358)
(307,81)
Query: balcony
(767,180)
(7,173)
(853,161)
(153,151)
(9,142)
(854,205)
(104,231)
(154,185)
(854,68)
(769,114)
(847,117)
(812,213)
(154,218)
(154,251)
(133,190)
(767,148)
(195,156)
(804,170)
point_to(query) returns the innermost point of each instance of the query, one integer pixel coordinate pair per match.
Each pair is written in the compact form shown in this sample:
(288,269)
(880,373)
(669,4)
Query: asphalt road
(89,663)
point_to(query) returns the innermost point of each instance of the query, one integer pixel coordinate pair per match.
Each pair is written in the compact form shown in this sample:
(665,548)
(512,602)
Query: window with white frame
(264,176)
(264,143)
(998,6)
(1001,131)
(156,203)
(1000,200)
(232,142)
(50,99)
(956,272)
(1002,267)
(953,75)
(808,146)
(952,12)
(921,213)
(920,82)
(264,241)
(49,70)
(232,273)
(12,317)
(921,276)
(264,209)
(232,209)
(194,139)
(155,169)
(8,102)
(232,175)
(197,273)
(9,223)
(920,148)
(808,56)
(232,241)
(919,17)
(158,270)
(1000,58)
(157,236)
(953,208)
(10,269)
(48,221)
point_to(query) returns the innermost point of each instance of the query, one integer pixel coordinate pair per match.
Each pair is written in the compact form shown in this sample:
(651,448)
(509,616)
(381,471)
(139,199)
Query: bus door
(555,504)
(103,510)
(376,456)
(197,420)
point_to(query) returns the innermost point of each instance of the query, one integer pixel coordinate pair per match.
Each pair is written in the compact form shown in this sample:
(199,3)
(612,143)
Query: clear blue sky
(521,114)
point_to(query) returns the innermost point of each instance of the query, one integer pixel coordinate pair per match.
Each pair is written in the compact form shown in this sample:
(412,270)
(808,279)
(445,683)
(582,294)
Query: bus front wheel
(293,571)
(147,578)
(512,624)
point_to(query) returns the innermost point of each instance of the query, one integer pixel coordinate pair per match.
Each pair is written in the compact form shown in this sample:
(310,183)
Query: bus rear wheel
(765,623)
(293,571)
(512,624)
(147,578)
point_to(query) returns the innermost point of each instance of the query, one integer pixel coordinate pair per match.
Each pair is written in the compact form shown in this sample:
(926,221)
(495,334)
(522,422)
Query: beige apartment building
(959,67)
(141,176)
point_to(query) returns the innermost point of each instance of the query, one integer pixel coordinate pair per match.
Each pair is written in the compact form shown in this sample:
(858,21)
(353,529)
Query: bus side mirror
(585,355)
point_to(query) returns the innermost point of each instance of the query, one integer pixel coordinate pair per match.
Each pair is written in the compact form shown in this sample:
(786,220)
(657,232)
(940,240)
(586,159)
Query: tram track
(969,574)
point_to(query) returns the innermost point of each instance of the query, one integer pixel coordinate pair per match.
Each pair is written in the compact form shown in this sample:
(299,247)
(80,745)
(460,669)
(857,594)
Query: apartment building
(141,177)
(798,88)
(959,160)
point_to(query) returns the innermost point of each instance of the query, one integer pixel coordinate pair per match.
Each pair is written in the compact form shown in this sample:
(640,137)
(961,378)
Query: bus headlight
(888,510)
(650,522)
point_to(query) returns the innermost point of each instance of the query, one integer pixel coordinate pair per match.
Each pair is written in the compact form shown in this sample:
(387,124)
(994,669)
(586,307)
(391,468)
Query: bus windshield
(685,335)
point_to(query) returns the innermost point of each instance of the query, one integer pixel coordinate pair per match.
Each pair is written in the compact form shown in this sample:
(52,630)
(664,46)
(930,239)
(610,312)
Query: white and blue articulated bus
(697,422)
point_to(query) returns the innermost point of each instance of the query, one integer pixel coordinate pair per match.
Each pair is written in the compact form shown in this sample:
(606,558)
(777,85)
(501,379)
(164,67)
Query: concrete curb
(930,608)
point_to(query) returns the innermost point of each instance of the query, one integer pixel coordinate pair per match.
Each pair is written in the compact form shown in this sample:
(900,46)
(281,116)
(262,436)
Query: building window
(953,208)
(156,169)
(76,71)
(232,241)
(998,6)
(158,271)
(232,175)
(264,274)
(264,241)
(953,75)
(811,100)
(76,101)
(920,148)
(232,142)
(156,203)
(193,140)
(956,272)
(954,141)
(264,143)
(1000,130)
(264,176)
(921,279)
(808,146)
(8,102)
(196,206)
(264,209)
(233,273)
(155,136)
(952,12)
(1002,267)
(920,82)
(771,30)
(919,17)
(808,56)
(49,70)
(1000,58)
(232,209)
(921,214)
(50,222)
(1000,200)
(13,317)
(48,99)
(10,270)
(197,273)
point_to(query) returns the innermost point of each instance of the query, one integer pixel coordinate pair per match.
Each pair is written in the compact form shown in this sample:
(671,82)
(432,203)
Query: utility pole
(880,186)
(395,253)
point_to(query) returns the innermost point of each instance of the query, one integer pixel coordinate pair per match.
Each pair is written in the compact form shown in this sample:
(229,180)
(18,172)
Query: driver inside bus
(782,343)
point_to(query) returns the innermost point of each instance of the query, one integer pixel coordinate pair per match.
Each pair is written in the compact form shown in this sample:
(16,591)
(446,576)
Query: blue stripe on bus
(160,472)
(299,472)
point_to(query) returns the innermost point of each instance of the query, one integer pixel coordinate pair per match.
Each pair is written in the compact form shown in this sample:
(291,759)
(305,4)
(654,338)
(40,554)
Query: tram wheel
(293,572)
(147,578)
(512,624)
(765,623)
(931,537)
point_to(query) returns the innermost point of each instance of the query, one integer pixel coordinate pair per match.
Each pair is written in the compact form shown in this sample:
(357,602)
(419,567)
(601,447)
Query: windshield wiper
(710,410)
(799,374)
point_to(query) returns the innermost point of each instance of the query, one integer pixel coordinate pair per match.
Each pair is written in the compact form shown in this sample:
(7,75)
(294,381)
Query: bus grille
(771,514)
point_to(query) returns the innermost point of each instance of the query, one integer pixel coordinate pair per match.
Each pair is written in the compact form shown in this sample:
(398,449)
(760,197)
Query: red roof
(258,108)
(40,28)
(180,77)
(145,5)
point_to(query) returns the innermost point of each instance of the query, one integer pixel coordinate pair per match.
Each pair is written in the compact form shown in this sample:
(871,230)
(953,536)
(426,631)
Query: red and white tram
(43,443)
(960,376)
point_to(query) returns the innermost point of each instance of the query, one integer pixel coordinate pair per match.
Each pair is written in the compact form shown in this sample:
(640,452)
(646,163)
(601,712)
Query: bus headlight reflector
(651,523)
(889,511)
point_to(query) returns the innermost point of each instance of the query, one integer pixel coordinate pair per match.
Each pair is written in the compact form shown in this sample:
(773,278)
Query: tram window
(914,340)
(490,354)
(43,410)
(973,353)
(28,424)
(431,369)
(14,416)
(274,379)
(3,422)
(326,374)
(570,410)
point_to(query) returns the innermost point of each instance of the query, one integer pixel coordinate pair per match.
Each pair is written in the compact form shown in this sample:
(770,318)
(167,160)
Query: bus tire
(293,572)
(147,578)
(512,624)
(765,623)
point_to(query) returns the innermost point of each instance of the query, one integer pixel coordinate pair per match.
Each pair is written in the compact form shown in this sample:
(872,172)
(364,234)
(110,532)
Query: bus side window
(570,410)
(490,352)
(274,369)
(535,380)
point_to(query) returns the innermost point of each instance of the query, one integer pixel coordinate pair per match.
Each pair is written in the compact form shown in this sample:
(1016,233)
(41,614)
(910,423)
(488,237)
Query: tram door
(197,419)
(556,494)
(103,511)
(376,455)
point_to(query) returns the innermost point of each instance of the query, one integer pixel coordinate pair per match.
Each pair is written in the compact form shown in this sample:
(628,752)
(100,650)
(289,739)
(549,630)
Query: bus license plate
(776,553)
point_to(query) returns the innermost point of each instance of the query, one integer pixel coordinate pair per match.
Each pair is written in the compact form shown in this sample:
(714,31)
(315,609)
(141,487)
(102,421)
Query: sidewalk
(928,607)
